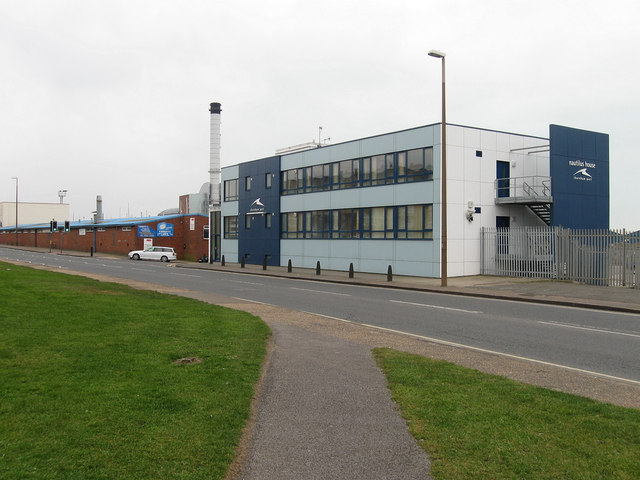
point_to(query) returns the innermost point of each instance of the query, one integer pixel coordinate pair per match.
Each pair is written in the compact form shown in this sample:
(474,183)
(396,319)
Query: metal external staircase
(533,191)
(543,211)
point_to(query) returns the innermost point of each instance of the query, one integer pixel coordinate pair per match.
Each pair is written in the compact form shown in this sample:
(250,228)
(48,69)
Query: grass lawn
(89,388)
(479,426)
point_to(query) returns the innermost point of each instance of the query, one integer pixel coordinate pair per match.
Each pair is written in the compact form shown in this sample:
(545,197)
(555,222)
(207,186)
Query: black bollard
(351,270)
(222,262)
(264,263)
(242,262)
(289,267)
(389,274)
(318,268)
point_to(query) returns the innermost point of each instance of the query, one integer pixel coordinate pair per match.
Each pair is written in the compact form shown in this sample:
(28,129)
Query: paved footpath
(325,413)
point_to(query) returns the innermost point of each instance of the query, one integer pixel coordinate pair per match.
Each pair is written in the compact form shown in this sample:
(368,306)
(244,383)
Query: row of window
(400,167)
(231,223)
(231,186)
(399,222)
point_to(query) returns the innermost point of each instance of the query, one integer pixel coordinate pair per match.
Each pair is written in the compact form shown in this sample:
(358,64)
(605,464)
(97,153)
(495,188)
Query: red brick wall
(188,244)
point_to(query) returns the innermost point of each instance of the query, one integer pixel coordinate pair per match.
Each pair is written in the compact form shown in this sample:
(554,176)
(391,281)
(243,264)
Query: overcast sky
(111,97)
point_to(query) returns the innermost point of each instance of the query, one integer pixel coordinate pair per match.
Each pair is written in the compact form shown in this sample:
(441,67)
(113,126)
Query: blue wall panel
(579,178)
(258,241)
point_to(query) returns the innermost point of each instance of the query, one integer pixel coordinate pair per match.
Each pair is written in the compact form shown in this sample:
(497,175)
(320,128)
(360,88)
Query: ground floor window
(405,222)
(231,227)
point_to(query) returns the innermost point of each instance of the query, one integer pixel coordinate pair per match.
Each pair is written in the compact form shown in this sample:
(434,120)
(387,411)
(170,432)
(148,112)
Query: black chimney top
(215,108)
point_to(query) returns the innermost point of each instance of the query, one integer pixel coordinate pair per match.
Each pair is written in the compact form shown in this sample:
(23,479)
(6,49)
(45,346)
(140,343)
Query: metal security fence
(595,257)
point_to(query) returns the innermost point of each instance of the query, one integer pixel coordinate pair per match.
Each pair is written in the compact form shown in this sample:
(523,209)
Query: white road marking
(245,283)
(483,350)
(252,301)
(436,306)
(591,329)
(320,291)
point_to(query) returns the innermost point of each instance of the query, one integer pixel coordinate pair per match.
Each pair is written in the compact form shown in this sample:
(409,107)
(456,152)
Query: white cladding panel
(32,213)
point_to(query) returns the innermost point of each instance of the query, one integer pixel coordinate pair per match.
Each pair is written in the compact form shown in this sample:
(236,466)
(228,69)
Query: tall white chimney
(214,157)
(98,216)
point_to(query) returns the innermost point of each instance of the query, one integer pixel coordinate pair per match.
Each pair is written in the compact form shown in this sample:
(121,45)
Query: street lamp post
(443,169)
(16,179)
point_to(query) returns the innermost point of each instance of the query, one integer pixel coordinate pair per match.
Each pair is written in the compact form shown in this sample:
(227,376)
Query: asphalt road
(602,342)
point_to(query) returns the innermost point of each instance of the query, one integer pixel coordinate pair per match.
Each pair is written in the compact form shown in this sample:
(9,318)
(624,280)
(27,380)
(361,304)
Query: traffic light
(66,226)
(54,225)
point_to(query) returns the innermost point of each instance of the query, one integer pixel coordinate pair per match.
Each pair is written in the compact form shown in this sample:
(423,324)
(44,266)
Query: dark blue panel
(579,166)
(588,146)
(258,241)
(574,143)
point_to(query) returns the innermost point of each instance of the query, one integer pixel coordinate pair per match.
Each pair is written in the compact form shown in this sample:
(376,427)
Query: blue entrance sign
(146,231)
(165,230)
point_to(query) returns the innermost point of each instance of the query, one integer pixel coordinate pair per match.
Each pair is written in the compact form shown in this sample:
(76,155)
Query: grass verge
(478,426)
(89,388)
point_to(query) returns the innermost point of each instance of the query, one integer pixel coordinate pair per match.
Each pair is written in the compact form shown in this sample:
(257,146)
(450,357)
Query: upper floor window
(247,183)
(231,190)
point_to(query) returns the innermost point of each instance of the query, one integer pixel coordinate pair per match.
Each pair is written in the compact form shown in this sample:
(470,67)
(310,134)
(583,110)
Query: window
(247,183)
(126,229)
(319,224)
(318,178)
(346,223)
(230,227)
(415,221)
(247,222)
(291,225)
(292,181)
(419,165)
(267,220)
(378,170)
(377,222)
(346,174)
(231,190)
(415,165)
(267,180)
(205,232)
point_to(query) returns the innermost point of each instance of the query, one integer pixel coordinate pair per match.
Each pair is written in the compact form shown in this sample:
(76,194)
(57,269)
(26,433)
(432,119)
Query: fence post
(624,258)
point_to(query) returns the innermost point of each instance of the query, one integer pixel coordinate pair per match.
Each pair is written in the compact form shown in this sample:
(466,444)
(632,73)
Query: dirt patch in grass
(188,361)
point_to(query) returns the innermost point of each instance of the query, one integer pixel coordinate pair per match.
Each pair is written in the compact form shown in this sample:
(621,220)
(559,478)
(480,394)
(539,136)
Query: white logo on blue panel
(582,174)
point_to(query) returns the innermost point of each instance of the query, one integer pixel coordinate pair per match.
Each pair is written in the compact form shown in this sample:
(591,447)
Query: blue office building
(376,201)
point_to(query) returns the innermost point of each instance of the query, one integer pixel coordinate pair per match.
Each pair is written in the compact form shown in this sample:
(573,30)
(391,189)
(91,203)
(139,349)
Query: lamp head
(436,53)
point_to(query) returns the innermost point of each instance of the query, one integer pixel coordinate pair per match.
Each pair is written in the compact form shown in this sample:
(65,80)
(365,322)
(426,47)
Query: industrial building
(376,202)
(187,234)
